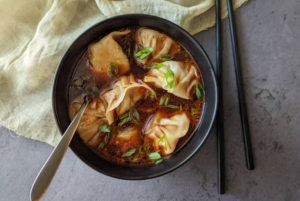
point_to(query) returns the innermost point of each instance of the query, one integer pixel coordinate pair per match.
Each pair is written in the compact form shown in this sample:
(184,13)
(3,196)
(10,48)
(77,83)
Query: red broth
(96,83)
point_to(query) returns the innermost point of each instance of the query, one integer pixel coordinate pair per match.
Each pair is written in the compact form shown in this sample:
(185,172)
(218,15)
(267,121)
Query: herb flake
(154,156)
(199,87)
(111,66)
(103,128)
(129,153)
(159,161)
(167,75)
(165,139)
(166,57)
(142,54)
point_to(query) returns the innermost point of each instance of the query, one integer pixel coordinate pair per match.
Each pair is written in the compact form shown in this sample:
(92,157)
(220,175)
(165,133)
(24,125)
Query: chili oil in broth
(96,82)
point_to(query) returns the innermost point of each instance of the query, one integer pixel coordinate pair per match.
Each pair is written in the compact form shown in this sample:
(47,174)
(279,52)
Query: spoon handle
(46,174)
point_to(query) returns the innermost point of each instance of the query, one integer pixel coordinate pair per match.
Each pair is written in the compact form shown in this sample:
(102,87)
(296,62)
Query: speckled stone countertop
(269,35)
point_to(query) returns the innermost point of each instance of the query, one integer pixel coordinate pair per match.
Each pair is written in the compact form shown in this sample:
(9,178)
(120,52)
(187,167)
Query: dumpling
(129,138)
(161,43)
(93,117)
(129,133)
(172,127)
(185,75)
(124,95)
(107,50)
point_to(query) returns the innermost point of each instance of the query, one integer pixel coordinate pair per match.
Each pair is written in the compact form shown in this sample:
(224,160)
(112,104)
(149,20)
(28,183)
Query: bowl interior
(64,72)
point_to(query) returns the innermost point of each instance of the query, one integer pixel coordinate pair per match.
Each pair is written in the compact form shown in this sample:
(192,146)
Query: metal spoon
(45,176)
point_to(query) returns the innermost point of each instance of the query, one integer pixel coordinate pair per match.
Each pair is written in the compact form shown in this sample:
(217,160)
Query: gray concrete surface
(270,45)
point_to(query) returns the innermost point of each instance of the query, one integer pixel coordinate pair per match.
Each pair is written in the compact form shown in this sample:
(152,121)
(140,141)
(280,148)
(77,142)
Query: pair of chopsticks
(241,95)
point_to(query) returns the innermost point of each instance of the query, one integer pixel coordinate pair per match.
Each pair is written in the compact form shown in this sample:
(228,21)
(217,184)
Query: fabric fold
(35,34)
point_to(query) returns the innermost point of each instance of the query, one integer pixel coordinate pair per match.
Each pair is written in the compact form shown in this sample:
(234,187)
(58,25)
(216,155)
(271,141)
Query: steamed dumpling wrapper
(186,78)
(124,95)
(129,133)
(130,137)
(161,43)
(107,50)
(172,127)
(93,117)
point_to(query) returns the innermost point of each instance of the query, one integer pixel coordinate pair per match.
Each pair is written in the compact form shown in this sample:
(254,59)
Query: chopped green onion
(159,161)
(144,53)
(198,91)
(154,156)
(124,116)
(101,145)
(141,150)
(165,139)
(172,106)
(151,95)
(103,128)
(79,82)
(181,109)
(136,121)
(167,100)
(146,148)
(167,75)
(166,57)
(134,115)
(135,159)
(164,100)
(158,65)
(113,65)
(125,120)
(195,112)
(129,153)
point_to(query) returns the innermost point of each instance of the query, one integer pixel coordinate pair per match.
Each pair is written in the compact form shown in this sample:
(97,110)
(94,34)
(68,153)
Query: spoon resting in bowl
(46,174)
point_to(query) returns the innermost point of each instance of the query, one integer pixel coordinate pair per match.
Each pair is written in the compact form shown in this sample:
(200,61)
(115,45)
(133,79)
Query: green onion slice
(101,145)
(181,109)
(141,150)
(113,65)
(198,91)
(165,139)
(167,75)
(151,95)
(164,100)
(172,106)
(135,159)
(167,100)
(125,120)
(144,53)
(134,115)
(124,116)
(154,65)
(146,148)
(129,153)
(154,156)
(166,57)
(103,128)
(159,161)
(195,112)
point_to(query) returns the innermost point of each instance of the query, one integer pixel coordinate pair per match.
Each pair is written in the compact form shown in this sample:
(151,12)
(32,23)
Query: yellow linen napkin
(35,33)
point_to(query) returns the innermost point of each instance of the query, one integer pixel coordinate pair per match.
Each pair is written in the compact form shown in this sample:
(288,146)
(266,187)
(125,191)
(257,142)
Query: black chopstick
(220,127)
(241,93)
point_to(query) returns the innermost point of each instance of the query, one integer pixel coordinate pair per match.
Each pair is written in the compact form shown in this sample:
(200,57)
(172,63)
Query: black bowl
(64,72)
